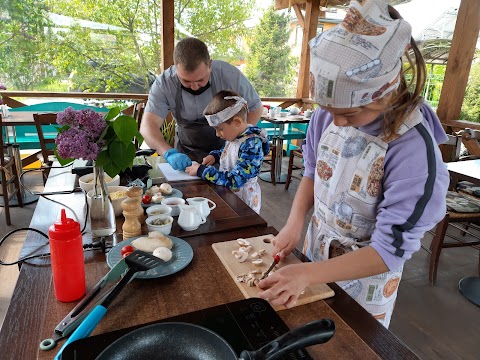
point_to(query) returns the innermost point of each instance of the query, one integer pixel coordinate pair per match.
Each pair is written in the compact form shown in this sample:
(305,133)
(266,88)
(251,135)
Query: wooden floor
(10,247)
(435,322)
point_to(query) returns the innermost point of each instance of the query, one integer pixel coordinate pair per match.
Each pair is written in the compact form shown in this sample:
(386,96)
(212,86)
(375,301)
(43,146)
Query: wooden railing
(473,145)
(7,96)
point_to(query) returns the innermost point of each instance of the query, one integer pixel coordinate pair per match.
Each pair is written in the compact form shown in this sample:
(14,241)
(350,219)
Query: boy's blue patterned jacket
(250,159)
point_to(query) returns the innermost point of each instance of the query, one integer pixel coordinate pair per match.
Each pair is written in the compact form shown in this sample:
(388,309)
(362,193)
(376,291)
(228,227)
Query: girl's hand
(208,160)
(286,240)
(284,286)
(192,170)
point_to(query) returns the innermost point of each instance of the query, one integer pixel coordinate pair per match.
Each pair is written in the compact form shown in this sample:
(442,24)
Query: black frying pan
(184,341)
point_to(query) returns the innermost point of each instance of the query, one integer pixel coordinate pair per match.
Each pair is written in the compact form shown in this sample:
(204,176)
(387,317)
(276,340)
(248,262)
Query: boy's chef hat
(358,60)
(227,113)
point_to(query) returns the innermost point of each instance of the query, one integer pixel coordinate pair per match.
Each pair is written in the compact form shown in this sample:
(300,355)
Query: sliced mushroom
(243,242)
(247,248)
(257,262)
(241,256)
(241,278)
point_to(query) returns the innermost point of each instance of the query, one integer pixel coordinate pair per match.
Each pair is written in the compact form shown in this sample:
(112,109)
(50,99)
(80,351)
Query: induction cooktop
(246,325)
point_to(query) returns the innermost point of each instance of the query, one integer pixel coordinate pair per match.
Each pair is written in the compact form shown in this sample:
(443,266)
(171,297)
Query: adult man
(185,89)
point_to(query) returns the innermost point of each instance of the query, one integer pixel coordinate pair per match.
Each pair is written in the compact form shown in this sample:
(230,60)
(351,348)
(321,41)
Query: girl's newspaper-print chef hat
(359,60)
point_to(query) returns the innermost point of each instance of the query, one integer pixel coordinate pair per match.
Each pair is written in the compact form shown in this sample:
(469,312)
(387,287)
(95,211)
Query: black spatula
(136,261)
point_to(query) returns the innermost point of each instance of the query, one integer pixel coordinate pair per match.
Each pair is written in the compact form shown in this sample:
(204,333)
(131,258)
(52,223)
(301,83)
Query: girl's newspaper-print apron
(348,188)
(250,193)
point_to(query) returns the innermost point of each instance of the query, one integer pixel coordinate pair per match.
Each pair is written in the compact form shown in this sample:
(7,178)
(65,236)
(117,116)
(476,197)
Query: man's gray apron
(195,138)
(347,190)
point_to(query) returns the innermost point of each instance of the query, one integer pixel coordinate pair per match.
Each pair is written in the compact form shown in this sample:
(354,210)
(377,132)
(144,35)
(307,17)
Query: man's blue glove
(177,160)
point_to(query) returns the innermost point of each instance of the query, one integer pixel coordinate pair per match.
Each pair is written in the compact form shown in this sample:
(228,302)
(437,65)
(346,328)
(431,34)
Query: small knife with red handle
(276,260)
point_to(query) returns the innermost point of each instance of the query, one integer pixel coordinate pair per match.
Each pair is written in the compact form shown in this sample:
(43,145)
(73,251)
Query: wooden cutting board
(235,268)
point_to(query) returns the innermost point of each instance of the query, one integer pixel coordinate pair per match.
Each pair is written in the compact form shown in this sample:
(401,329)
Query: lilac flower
(67,117)
(81,140)
(92,122)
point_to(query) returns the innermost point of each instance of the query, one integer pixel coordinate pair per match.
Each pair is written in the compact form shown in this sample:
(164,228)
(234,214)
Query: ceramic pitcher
(203,204)
(190,217)
(295,110)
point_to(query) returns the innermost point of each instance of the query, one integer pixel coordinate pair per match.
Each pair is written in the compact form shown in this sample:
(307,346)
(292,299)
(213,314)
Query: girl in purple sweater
(373,172)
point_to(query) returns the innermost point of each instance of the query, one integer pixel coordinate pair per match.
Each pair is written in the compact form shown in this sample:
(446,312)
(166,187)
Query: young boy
(241,157)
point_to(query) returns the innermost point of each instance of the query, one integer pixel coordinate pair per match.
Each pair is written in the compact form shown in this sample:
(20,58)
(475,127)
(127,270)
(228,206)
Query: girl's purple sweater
(415,183)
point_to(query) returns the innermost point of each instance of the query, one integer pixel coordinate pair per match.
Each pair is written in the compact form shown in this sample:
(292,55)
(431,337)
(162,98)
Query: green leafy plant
(88,135)
(168,131)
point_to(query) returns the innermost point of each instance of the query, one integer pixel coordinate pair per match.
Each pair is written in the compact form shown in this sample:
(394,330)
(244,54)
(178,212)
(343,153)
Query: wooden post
(168,33)
(460,61)
(312,10)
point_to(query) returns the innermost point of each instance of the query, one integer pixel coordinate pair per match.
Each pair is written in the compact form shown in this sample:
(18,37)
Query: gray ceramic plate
(175,193)
(182,256)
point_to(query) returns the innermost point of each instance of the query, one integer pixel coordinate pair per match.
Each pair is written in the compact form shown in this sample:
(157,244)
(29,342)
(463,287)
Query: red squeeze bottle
(66,252)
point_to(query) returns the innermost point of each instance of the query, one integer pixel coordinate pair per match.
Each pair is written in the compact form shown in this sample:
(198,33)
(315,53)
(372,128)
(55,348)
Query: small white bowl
(86,181)
(159,210)
(117,203)
(173,202)
(164,229)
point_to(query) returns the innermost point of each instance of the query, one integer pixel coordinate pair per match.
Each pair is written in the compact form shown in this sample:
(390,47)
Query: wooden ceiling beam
(300,18)
(285,4)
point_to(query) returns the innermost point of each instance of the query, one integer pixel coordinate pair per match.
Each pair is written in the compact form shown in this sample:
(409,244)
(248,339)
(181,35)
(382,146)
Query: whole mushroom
(166,189)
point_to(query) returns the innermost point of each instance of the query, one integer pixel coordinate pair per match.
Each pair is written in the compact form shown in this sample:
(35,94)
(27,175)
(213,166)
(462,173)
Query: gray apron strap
(195,138)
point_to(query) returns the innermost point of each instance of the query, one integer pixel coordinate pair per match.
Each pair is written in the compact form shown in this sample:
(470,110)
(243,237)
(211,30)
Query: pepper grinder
(131,226)
(136,192)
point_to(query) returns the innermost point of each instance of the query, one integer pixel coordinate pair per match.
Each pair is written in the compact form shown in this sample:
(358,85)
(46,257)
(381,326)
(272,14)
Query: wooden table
(468,170)
(34,312)
(19,118)
(231,212)
(278,138)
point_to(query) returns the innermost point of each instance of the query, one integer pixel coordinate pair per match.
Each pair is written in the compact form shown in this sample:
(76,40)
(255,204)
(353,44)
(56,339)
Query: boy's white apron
(250,193)
(348,188)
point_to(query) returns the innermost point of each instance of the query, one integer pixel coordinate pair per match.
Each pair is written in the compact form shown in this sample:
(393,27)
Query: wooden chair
(292,132)
(8,175)
(462,210)
(47,142)
(269,160)
(466,186)
(296,132)
(295,153)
